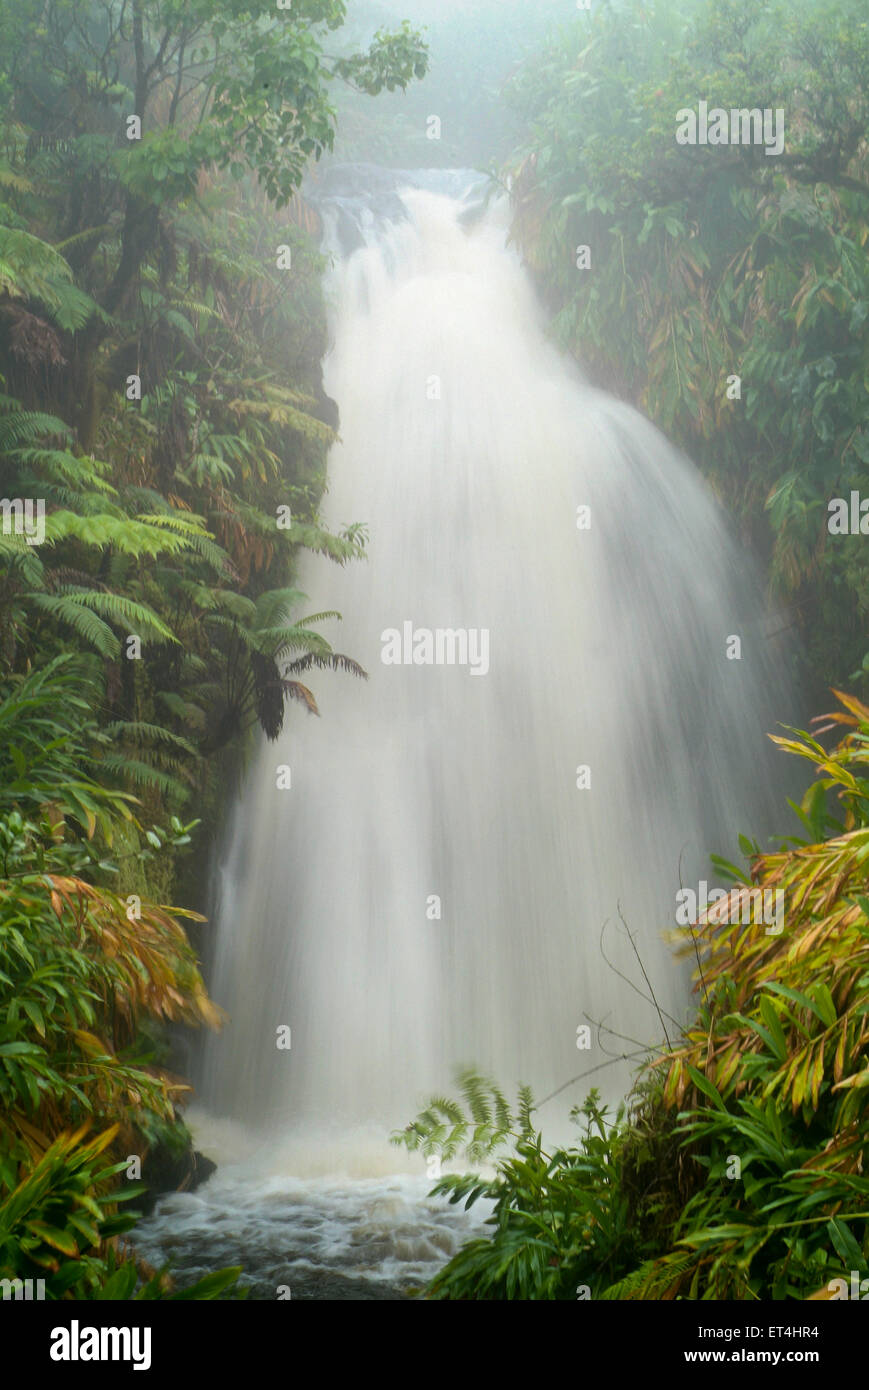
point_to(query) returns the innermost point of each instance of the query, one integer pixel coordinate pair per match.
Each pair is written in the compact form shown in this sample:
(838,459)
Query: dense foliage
(85,975)
(713,261)
(163,432)
(162,330)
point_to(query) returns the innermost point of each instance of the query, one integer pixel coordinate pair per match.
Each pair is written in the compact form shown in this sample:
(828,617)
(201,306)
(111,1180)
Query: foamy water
(353,1222)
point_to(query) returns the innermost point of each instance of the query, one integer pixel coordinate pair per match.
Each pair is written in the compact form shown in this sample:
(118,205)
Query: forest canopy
(721,262)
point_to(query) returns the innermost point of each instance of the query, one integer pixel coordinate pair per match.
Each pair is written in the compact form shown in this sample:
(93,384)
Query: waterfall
(447,878)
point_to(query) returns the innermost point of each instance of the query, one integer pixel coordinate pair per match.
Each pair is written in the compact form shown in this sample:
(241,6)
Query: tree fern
(124,612)
(274,607)
(141,774)
(19,557)
(140,732)
(19,427)
(140,536)
(188,532)
(62,466)
(96,633)
(31,269)
(191,714)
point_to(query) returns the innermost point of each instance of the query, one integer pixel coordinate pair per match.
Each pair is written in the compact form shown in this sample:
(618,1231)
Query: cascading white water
(467,445)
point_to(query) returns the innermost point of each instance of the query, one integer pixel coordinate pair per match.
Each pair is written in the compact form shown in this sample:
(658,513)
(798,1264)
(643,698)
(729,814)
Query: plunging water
(446,879)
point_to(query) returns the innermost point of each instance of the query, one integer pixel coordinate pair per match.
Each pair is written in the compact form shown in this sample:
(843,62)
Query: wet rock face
(373,183)
(355,200)
(165,1171)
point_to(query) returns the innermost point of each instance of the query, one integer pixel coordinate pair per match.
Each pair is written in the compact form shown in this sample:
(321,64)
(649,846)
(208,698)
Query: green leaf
(823,1003)
(59,1240)
(773,1023)
(704,1085)
(845,1244)
(35,1014)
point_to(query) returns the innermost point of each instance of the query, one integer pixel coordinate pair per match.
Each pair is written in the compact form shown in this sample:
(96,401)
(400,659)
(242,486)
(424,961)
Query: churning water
(442,884)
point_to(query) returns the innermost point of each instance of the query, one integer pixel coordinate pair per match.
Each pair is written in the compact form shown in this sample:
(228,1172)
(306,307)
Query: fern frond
(329,661)
(294,690)
(185,710)
(32,269)
(275,605)
(133,617)
(654,1279)
(142,536)
(191,532)
(525,1107)
(21,557)
(18,427)
(140,732)
(86,623)
(287,416)
(63,466)
(145,775)
(312,537)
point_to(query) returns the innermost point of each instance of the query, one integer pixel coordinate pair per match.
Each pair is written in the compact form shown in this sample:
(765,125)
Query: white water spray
(467,446)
